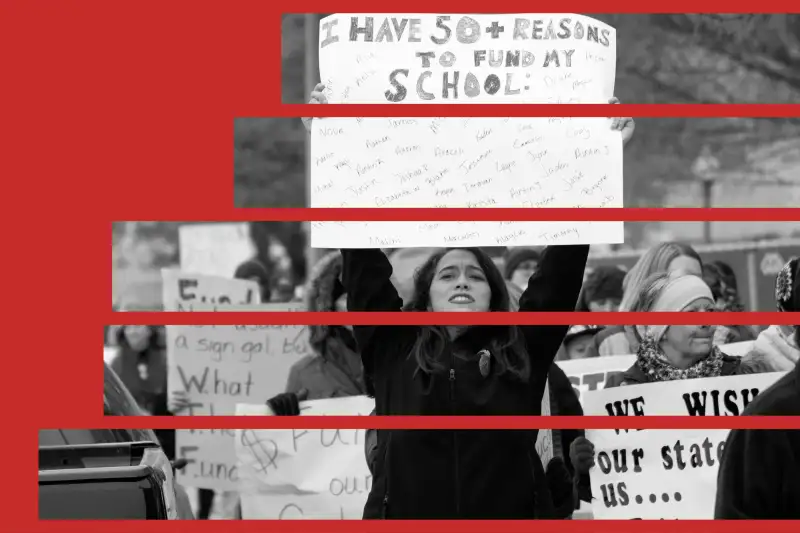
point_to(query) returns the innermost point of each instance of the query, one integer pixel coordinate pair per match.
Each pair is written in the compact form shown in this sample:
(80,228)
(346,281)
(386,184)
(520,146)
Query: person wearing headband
(667,353)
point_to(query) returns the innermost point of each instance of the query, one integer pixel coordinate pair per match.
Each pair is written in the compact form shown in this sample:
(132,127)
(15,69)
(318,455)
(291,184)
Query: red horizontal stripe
(429,422)
(299,318)
(573,6)
(399,214)
(526,110)
(417,526)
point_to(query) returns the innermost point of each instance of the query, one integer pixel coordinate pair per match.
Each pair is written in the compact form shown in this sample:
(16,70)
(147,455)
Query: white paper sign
(664,474)
(470,163)
(465,162)
(305,474)
(220,366)
(214,249)
(505,58)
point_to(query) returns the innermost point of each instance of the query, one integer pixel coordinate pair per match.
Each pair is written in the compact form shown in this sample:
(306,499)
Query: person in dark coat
(759,478)
(496,370)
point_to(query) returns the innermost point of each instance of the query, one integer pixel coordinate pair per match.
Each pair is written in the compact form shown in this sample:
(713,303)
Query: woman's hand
(288,403)
(317,97)
(178,402)
(626,124)
(581,453)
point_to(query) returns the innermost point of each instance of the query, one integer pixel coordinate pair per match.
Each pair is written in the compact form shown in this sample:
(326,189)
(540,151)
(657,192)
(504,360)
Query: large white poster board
(466,162)
(664,474)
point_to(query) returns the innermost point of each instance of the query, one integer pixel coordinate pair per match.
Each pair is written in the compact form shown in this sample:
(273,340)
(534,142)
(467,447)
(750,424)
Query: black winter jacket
(470,474)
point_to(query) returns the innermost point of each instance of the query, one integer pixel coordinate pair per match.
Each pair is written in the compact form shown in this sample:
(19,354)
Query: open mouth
(462,299)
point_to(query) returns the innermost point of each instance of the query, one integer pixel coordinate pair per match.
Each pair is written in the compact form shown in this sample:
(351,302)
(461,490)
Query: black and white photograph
(528,369)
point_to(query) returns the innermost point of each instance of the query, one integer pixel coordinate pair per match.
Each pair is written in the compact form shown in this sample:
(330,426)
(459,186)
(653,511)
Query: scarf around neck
(652,360)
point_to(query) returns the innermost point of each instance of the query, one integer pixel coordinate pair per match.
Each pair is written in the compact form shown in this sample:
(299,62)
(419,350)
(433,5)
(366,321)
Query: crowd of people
(502,371)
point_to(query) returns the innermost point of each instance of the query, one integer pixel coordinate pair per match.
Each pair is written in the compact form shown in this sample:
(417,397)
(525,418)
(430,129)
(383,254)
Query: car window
(117,399)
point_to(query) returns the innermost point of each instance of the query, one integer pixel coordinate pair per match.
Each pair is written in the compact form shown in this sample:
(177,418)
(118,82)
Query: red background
(156,85)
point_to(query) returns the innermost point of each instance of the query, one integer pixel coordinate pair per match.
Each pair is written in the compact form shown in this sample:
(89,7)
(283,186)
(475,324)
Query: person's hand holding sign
(581,454)
(317,97)
(625,124)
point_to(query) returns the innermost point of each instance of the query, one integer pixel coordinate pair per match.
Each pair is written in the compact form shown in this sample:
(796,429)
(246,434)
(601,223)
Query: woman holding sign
(668,353)
(498,370)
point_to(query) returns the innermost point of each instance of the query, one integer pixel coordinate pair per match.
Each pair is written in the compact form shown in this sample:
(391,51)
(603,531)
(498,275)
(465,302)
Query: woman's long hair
(507,345)
(653,261)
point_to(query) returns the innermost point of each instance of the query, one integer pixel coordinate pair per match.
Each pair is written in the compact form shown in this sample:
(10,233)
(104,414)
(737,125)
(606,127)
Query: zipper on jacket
(455,440)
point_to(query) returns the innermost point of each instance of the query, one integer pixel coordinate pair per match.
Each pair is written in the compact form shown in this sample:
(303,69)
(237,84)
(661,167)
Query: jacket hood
(322,290)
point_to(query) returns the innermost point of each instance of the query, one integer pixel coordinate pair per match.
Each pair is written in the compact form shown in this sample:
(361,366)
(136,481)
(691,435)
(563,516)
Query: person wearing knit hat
(602,290)
(777,349)
(255,270)
(759,476)
(669,353)
(520,264)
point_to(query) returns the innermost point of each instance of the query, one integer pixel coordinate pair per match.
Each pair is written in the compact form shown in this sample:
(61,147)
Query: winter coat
(775,350)
(759,478)
(334,369)
(470,474)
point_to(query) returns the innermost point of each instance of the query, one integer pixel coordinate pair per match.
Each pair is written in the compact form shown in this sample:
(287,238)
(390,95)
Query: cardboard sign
(590,374)
(664,474)
(197,292)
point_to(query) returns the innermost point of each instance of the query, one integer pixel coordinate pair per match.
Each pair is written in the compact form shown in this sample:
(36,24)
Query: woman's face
(459,284)
(523,273)
(137,337)
(605,305)
(686,265)
(686,345)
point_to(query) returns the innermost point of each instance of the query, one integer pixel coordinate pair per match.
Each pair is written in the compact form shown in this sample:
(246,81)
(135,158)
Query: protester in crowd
(759,478)
(520,264)
(334,369)
(578,342)
(602,290)
(255,270)
(664,257)
(492,370)
(722,281)
(667,353)
(450,370)
(776,349)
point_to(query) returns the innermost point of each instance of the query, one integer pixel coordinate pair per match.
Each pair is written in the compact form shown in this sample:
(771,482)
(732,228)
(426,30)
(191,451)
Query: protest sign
(664,474)
(591,373)
(466,162)
(197,292)
(509,58)
(214,249)
(471,163)
(220,366)
(308,473)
